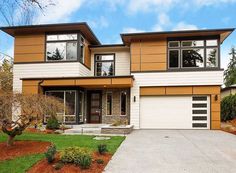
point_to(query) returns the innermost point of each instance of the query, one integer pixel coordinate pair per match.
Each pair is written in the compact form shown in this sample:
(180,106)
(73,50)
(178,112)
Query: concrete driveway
(173,151)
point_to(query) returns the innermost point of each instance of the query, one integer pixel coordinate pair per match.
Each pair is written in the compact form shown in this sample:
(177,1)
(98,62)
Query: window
(109,103)
(81,106)
(61,47)
(123,102)
(69,100)
(104,65)
(193,54)
(82,49)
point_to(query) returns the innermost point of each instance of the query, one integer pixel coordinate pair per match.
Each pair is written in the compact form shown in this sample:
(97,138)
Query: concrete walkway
(174,151)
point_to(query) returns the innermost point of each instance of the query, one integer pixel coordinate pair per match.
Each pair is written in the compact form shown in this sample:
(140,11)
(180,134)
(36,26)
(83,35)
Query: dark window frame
(111,111)
(79,35)
(96,61)
(204,47)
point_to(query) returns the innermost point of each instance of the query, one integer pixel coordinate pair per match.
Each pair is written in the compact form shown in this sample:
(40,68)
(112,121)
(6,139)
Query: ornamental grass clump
(50,153)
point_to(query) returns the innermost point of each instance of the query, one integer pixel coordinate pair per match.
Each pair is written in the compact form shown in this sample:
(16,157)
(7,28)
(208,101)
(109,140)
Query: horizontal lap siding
(29,48)
(178,83)
(148,56)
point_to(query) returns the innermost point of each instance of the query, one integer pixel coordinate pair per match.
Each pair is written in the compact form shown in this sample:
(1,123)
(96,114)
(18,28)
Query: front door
(95,107)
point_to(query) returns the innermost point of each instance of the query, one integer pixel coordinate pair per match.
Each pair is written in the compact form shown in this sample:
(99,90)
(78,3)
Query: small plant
(100,161)
(58,165)
(102,148)
(84,161)
(50,154)
(79,156)
(52,124)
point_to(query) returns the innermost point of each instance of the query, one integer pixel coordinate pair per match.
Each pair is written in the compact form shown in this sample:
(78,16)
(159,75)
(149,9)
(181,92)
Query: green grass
(64,141)
(19,164)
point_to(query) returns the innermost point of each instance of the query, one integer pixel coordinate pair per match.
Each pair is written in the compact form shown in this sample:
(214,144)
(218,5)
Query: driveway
(173,151)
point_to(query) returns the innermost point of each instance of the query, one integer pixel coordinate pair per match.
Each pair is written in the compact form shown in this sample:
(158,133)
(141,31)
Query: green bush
(84,161)
(102,148)
(50,153)
(78,156)
(52,124)
(228,108)
(100,161)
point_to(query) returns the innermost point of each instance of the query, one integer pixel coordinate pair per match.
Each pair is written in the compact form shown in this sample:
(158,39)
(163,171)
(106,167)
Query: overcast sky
(109,18)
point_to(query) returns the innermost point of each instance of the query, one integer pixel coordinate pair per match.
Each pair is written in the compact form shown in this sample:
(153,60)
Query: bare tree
(29,108)
(21,12)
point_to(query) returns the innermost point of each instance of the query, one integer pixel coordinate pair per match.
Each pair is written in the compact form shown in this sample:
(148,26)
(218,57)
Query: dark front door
(95,107)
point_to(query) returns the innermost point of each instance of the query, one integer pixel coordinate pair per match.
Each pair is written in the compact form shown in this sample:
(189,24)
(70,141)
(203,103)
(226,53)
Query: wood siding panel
(215,116)
(215,125)
(153,66)
(61,82)
(178,90)
(135,67)
(160,58)
(206,90)
(150,50)
(87,55)
(152,91)
(30,48)
(135,58)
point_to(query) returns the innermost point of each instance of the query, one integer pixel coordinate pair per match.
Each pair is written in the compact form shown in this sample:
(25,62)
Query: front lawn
(61,142)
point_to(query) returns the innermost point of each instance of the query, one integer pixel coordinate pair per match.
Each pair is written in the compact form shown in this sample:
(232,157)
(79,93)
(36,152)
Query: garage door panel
(172,112)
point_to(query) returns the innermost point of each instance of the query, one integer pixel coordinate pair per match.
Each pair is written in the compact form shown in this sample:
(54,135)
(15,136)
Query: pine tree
(6,76)
(230,72)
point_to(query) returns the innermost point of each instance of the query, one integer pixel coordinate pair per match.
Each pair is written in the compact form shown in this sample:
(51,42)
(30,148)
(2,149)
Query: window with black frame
(193,54)
(105,65)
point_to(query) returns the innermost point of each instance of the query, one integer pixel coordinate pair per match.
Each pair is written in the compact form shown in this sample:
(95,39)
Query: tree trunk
(10,140)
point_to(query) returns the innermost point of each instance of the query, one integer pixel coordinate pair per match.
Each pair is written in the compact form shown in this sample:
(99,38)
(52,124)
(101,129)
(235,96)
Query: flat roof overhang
(83,27)
(84,82)
(127,38)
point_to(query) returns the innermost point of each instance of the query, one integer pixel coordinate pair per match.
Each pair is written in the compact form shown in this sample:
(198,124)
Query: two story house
(154,80)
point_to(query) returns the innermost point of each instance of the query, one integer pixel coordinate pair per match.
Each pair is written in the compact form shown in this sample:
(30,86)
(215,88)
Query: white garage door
(174,112)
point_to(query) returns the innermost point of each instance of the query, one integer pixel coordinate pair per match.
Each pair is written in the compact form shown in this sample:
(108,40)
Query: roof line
(107,45)
(52,25)
(182,31)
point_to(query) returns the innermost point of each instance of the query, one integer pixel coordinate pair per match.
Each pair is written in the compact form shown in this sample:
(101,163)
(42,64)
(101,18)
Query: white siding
(168,79)
(73,69)
(122,61)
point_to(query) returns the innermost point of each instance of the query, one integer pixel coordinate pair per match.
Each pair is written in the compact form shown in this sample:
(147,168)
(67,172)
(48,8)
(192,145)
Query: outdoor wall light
(134,98)
(216,97)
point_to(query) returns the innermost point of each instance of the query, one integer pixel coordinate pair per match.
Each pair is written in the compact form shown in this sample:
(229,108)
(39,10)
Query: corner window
(62,47)
(109,103)
(104,65)
(193,54)
(82,49)
(123,102)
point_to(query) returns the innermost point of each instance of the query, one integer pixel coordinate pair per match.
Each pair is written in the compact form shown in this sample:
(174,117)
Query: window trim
(109,92)
(126,103)
(204,47)
(61,41)
(114,62)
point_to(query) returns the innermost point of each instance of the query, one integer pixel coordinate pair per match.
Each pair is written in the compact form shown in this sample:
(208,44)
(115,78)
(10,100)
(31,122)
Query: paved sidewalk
(173,151)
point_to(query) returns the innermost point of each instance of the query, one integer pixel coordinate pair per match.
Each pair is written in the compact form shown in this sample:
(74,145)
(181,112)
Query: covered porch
(95,100)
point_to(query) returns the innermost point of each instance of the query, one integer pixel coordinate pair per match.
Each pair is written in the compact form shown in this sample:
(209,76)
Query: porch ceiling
(85,82)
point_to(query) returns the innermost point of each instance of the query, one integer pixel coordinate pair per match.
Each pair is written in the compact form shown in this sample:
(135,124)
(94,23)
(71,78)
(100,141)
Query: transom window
(193,54)
(104,65)
(64,47)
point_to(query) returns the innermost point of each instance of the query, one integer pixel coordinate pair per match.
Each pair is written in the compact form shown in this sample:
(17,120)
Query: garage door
(174,112)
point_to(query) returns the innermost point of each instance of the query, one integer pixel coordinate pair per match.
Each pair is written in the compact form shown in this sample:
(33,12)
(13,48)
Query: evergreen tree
(230,72)
(6,76)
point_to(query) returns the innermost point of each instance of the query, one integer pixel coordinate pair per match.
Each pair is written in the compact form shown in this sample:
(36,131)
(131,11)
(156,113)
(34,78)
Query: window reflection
(211,60)
(193,58)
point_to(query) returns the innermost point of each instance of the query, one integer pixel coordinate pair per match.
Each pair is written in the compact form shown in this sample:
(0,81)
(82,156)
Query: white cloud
(101,22)
(60,12)
(163,21)
(184,26)
(132,30)
(212,2)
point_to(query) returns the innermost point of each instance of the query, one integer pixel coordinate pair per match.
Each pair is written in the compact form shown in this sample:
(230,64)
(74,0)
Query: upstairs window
(193,54)
(61,47)
(105,65)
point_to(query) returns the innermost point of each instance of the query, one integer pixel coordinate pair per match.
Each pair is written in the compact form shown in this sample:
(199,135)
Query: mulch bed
(44,167)
(22,148)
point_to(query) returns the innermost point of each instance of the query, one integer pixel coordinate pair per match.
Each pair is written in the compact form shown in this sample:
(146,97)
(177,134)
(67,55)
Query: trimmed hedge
(228,108)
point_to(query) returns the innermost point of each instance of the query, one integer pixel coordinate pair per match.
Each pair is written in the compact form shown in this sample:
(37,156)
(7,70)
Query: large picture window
(193,54)
(69,100)
(104,65)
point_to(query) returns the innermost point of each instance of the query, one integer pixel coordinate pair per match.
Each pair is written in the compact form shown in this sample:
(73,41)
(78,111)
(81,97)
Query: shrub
(78,156)
(100,161)
(102,148)
(50,154)
(84,161)
(58,165)
(228,108)
(52,124)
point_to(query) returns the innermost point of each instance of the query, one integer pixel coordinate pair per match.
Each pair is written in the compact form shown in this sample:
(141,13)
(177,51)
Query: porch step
(82,130)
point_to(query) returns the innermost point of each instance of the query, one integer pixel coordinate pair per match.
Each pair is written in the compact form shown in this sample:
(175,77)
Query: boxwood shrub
(228,108)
